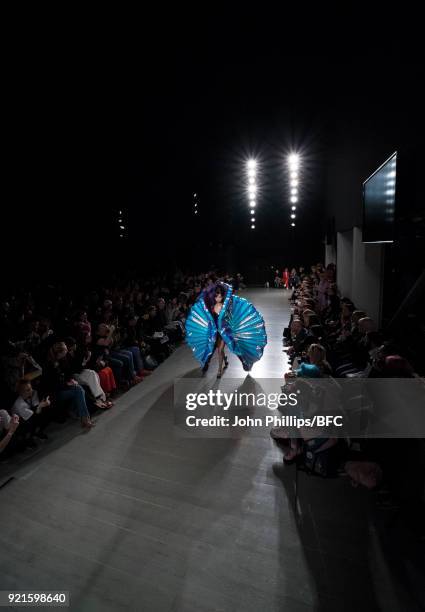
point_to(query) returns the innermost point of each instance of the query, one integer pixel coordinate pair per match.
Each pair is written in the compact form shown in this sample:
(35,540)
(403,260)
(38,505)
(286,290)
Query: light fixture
(293,208)
(294,199)
(293,216)
(293,224)
(252,226)
(252,164)
(293,161)
(252,204)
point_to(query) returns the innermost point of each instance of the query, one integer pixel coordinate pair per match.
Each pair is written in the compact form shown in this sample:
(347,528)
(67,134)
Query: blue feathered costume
(239,324)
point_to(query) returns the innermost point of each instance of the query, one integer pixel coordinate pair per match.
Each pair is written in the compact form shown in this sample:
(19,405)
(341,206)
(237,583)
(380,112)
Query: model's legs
(220,348)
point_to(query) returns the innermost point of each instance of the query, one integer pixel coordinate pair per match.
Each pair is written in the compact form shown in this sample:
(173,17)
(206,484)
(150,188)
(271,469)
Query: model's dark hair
(209,294)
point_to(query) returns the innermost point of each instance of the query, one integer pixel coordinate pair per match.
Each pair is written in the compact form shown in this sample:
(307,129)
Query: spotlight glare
(251,180)
(252,164)
(252,189)
(252,212)
(294,161)
(294,199)
(293,224)
(252,204)
(294,191)
(293,208)
(292,216)
(294,183)
(293,174)
(122,227)
(252,226)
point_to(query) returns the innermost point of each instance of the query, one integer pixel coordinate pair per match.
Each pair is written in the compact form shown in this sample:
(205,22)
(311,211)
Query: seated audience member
(299,337)
(78,357)
(58,383)
(316,355)
(120,360)
(8,427)
(34,414)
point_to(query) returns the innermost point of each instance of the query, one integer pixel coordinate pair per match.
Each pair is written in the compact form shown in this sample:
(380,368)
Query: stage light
(293,216)
(294,183)
(251,172)
(252,226)
(252,212)
(251,180)
(293,174)
(293,161)
(390,183)
(391,174)
(120,212)
(252,204)
(121,235)
(390,192)
(294,191)
(194,195)
(294,199)
(122,227)
(252,189)
(252,164)
(293,224)
(293,208)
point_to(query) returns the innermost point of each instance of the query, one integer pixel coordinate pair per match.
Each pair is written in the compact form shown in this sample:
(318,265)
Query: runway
(130,516)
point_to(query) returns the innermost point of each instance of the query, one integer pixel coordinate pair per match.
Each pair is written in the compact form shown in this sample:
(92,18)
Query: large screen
(379,198)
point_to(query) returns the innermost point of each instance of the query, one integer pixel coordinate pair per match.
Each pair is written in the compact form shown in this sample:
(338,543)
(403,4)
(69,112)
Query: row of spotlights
(252,188)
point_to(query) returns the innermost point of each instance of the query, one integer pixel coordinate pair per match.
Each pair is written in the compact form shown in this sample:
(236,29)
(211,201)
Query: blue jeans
(137,358)
(126,357)
(76,396)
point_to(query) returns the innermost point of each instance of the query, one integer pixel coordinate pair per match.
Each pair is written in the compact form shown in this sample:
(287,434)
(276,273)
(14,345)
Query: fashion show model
(220,318)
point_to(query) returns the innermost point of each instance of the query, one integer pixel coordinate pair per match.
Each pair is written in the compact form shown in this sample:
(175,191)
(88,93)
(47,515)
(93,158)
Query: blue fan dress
(239,324)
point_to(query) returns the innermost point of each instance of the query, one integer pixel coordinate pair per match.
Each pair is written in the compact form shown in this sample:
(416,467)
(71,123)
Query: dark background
(139,115)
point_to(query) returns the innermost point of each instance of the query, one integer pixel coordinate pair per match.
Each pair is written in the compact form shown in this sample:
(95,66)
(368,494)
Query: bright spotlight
(252,212)
(294,199)
(292,216)
(294,191)
(294,183)
(252,164)
(122,227)
(252,226)
(293,208)
(251,180)
(293,174)
(293,161)
(252,189)
(252,204)
(293,224)
(251,172)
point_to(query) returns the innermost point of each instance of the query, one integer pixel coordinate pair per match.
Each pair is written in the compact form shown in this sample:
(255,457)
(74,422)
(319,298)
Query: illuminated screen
(379,196)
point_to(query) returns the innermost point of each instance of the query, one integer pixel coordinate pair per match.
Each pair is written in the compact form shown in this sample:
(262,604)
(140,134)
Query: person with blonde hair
(316,354)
